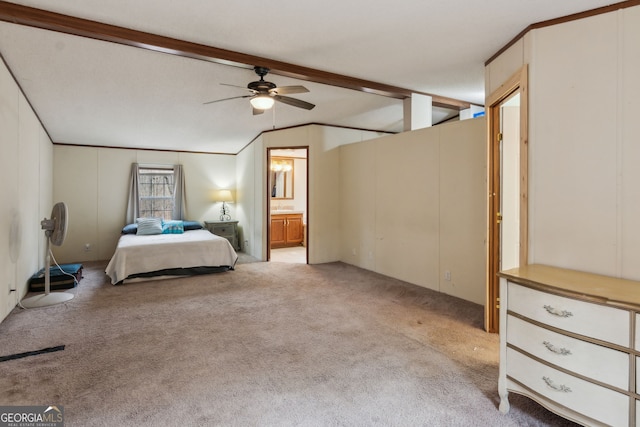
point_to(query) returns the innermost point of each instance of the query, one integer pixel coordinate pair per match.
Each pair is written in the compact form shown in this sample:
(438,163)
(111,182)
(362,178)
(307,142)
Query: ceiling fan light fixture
(261,102)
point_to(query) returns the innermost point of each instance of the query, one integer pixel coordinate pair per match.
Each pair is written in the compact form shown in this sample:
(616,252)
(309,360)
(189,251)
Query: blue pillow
(130,229)
(192,225)
(172,227)
(147,226)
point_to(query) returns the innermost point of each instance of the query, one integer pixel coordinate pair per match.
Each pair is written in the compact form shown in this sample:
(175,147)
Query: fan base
(45,300)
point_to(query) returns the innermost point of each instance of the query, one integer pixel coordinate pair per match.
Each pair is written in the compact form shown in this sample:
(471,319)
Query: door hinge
(499,136)
(498,217)
(498,302)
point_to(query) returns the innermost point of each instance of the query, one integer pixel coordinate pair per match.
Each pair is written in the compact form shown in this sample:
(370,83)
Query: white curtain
(179,194)
(133,204)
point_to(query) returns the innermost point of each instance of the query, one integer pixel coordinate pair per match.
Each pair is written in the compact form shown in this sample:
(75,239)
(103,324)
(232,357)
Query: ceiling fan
(264,93)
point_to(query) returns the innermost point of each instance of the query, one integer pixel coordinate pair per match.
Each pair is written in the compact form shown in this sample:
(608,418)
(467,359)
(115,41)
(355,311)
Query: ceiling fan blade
(227,99)
(287,90)
(227,84)
(294,102)
(256,111)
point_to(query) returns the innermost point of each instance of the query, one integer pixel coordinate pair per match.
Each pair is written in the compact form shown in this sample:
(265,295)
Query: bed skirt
(192,271)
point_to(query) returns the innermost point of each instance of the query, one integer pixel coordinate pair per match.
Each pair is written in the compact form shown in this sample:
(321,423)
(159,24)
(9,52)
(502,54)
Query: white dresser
(571,341)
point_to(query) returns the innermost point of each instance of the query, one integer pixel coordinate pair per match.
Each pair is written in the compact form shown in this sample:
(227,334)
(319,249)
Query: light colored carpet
(269,344)
(296,254)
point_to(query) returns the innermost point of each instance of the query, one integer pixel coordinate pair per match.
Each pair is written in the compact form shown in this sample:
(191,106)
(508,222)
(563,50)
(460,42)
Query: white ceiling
(91,92)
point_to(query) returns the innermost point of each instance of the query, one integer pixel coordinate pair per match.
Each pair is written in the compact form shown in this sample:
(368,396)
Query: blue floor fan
(56,231)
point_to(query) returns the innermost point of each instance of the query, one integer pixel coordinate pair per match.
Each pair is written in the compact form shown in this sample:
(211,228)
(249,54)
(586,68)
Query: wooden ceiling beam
(43,19)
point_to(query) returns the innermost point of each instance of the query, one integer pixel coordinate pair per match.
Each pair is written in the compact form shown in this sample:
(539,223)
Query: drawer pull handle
(552,348)
(556,312)
(563,388)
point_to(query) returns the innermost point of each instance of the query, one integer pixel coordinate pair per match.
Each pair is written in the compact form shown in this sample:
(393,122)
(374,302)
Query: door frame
(268,197)
(517,83)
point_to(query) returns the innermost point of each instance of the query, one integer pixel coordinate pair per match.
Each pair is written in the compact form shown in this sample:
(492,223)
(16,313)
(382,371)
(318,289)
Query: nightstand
(226,229)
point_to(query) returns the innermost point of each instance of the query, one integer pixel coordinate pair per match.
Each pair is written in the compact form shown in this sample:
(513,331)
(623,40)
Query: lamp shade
(261,102)
(223,196)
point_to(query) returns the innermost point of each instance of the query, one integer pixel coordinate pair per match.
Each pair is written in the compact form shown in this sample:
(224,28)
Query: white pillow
(147,226)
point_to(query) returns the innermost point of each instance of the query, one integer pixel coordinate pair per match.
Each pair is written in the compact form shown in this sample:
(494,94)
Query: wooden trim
(493,246)
(25,97)
(314,124)
(329,125)
(524,165)
(64,144)
(516,83)
(268,194)
(308,211)
(562,20)
(43,19)
(213,152)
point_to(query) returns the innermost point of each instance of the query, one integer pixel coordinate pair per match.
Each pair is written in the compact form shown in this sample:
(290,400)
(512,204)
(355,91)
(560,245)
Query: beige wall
(26,189)
(94,182)
(249,196)
(413,206)
(324,184)
(583,141)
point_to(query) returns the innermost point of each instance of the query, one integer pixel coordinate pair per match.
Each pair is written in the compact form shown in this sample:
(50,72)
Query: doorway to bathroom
(287,204)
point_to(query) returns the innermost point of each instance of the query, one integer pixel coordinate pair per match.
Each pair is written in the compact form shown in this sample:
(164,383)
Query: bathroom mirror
(281,178)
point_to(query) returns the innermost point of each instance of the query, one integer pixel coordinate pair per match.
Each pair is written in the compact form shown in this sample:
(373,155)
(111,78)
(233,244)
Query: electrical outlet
(353,251)
(447,275)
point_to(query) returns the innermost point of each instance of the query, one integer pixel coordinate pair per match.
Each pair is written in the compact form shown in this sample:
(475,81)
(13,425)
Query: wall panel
(463,210)
(25,185)
(75,177)
(358,205)
(205,173)
(31,232)
(574,122)
(416,203)
(407,215)
(504,66)
(629,125)
(114,169)
(9,124)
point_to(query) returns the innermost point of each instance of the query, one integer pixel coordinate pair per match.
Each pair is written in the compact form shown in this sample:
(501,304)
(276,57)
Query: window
(156,191)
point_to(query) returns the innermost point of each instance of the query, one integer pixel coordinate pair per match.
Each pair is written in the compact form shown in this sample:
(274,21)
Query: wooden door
(278,231)
(517,84)
(294,230)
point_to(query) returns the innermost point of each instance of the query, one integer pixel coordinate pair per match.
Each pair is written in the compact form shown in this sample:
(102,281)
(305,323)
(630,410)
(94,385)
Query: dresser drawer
(589,399)
(591,360)
(637,331)
(592,320)
(225,230)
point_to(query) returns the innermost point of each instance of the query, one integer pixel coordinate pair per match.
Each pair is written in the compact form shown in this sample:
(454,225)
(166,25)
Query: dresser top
(592,287)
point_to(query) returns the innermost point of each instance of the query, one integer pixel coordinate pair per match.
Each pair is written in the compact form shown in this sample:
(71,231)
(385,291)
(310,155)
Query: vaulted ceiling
(142,80)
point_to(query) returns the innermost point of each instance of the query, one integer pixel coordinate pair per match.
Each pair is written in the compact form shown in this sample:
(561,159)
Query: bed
(190,252)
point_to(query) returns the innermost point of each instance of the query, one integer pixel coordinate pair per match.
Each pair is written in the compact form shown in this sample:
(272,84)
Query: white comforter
(141,254)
